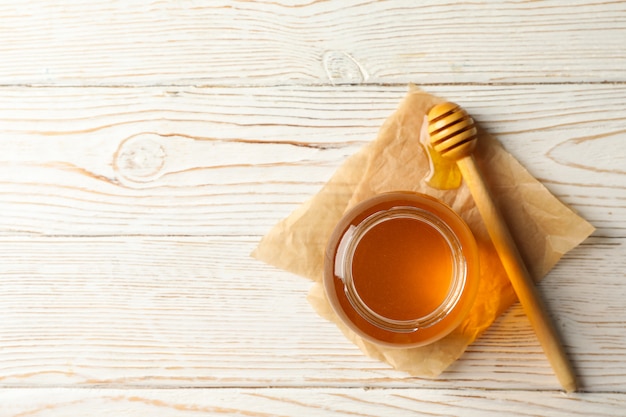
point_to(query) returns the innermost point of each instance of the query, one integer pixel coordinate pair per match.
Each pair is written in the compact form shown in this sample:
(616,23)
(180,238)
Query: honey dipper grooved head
(452,131)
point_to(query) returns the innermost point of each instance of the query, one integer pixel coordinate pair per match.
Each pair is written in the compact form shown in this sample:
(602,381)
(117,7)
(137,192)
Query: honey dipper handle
(523,284)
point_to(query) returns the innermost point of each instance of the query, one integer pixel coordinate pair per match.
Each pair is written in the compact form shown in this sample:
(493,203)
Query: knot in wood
(140,158)
(342,68)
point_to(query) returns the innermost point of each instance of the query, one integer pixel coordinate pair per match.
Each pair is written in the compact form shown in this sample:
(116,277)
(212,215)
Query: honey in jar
(401,269)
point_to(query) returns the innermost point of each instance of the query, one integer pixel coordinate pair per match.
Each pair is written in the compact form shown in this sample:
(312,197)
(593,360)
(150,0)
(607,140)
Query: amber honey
(443,173)
(401,269)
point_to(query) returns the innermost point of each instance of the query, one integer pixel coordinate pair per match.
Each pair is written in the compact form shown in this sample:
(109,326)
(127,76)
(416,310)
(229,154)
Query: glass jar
(401,269)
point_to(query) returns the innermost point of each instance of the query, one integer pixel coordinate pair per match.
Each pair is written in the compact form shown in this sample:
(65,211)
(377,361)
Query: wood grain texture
(233,161)
(295,42)
(146,146)
(315,402)
(198,312)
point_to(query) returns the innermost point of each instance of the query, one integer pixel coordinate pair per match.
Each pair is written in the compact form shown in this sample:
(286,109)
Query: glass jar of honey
(401,269)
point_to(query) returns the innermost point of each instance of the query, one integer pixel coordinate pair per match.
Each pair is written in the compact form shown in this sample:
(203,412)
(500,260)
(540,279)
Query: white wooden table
(146,146)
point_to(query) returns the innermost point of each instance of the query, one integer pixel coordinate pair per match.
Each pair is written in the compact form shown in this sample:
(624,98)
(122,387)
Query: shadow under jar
(401,269)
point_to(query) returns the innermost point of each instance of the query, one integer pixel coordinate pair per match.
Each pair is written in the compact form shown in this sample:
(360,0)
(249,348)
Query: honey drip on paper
(443,174)
(402,268)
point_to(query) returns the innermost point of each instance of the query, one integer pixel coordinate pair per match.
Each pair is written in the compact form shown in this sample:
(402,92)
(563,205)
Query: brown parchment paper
(543,227)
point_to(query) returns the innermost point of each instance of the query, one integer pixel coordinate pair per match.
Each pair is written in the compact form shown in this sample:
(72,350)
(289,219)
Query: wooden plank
(233,161)
(311,402)
(145,147)
(294,42)
(198,312)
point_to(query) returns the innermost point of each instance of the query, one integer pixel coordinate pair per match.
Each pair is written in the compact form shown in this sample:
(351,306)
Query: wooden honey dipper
(453,135)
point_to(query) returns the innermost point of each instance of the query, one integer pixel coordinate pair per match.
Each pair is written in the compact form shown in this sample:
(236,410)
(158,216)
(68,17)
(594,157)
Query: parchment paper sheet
(543,227)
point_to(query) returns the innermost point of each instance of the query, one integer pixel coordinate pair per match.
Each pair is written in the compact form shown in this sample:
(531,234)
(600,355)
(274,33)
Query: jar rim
(345,256)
